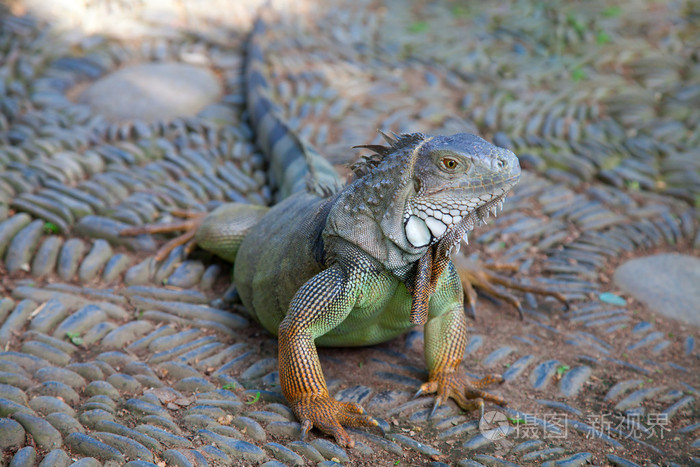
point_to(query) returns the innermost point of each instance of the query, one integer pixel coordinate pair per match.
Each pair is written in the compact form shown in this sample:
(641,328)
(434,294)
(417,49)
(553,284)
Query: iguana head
(458,180)
(422,191)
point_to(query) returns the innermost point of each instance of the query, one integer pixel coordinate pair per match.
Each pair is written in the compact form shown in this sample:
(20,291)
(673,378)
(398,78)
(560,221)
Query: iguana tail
(294,165)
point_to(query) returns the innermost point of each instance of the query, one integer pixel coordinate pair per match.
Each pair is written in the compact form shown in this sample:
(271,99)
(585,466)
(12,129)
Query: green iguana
(358,265)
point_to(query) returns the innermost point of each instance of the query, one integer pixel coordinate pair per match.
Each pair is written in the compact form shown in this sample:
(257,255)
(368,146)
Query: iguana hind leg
(220,231)
(474,274)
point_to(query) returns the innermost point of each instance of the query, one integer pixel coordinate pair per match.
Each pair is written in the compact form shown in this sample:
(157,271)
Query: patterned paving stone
(672,292)
(110,356)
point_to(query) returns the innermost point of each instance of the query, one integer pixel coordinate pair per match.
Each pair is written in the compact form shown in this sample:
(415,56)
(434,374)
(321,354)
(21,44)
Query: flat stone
(667,283)
(151,92)
(45,436)
(56,458)
(24,457)
(11,434)
(89,446)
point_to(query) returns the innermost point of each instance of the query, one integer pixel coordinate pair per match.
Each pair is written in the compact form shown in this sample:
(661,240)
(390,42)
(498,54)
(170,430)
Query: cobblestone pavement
(116,113)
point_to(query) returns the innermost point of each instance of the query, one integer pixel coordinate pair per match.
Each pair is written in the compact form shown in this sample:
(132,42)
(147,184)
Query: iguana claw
(330,415)
(466,393)
(484,276)
(189,226)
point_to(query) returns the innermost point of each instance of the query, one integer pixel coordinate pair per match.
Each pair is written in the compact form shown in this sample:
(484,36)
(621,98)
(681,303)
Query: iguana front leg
(445,342)
(319,306)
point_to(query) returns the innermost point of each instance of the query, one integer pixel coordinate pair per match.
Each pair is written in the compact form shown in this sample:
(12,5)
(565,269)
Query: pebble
(165,437)
(17,319)
(11,434)
(164,91)
(284,429)
(128,447)
(64,423)
(285,455)
(541,375)
(636,398)
(9,228)
(23,246)
(24,457)
(56,458)
(45,405)
(69,258)
(235,448)
(45,435)
(672,293)
(330,450)
(89,446)
(56,389)
(118,429)
(46,351)
(80,321)
(573,380)
(95,260)
(518,367)
(51,313)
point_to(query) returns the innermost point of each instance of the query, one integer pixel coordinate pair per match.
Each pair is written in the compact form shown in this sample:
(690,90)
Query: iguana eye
(449,163)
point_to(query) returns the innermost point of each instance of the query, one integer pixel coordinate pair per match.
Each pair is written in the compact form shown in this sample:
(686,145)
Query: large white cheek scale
(436,227)
(417,232)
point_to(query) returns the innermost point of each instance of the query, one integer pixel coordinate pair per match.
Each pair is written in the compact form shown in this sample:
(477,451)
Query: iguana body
(359,265)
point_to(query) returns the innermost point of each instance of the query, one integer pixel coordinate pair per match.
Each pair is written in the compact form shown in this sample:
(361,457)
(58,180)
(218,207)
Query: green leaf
(516,420)
(50,228)
(419,26)
(360,364)
(632,185)
(578,74)
(612,11)
(75,337)
(602,38)
(229,386)
(507,365)
(460,11)
(561,369)
(254,399)
(576,23)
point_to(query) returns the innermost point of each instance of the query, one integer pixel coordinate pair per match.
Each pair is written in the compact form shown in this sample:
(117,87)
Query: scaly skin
(361,265)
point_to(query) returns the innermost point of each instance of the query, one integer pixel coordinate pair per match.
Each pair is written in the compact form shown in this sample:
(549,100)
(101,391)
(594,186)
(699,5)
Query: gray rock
(151,92)
(45,435)
(89,446)
(64,423)
(56,458)
(24,457)
(667,283)
(11,434)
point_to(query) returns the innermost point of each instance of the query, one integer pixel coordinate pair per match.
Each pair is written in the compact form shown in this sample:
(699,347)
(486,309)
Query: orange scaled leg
(485,277)
(190,225)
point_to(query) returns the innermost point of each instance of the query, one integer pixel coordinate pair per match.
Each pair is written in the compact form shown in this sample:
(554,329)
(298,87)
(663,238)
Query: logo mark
(494,425)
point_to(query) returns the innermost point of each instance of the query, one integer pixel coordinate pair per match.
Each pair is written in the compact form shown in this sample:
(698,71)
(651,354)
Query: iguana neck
(369,214)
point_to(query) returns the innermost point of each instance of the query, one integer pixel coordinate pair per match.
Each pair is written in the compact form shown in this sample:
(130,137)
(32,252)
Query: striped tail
(294,165)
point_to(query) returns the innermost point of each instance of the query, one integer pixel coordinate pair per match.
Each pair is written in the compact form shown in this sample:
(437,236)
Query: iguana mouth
(426,223)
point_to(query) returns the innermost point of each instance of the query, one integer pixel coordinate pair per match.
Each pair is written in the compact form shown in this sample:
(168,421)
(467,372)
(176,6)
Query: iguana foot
(329,416)
(485,276)
(190,226)
(466,393)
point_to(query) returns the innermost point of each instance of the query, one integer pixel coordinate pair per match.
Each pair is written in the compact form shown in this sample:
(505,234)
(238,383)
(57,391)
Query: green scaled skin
(356,265)
(343,269)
